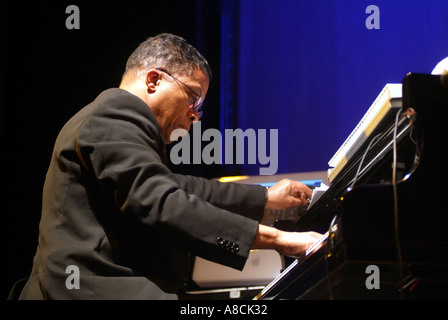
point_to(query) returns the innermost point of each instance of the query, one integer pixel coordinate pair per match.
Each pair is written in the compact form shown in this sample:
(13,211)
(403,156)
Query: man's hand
(287,243)
(286,194)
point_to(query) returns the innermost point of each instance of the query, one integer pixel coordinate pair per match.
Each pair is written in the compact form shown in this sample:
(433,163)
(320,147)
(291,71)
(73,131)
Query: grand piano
(385,215)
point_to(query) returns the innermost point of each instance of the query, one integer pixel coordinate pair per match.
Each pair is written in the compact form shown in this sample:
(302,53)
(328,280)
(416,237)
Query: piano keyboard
(296,262)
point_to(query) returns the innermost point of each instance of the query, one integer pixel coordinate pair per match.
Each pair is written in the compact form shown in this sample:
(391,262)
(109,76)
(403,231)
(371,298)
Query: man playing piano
(116,222)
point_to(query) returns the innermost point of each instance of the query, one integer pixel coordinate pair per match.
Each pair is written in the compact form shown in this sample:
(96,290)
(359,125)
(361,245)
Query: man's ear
(152,80)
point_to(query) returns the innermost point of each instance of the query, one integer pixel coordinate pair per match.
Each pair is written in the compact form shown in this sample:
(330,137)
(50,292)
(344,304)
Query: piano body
(386,207)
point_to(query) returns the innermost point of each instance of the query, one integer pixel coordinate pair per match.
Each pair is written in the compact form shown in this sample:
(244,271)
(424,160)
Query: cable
(395,193)
(362,160)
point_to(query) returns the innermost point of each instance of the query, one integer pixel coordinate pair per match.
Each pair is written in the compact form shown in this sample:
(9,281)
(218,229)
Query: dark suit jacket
(112,208)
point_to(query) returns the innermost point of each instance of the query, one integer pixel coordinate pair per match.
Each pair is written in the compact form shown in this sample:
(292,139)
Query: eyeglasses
(198,100)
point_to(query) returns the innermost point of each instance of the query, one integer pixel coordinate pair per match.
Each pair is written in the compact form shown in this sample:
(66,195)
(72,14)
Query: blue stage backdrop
(311,69)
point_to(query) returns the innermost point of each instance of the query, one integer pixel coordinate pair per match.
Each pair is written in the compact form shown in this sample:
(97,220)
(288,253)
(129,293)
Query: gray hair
(169,52)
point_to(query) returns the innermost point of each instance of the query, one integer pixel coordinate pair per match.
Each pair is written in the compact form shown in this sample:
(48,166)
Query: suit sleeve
(246,200)
(120,149)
